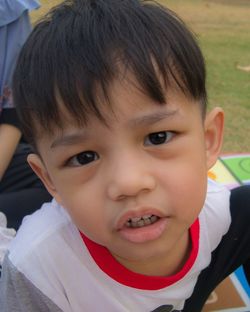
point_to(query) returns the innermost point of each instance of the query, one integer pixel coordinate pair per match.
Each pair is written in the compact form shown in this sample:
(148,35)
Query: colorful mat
(233,294)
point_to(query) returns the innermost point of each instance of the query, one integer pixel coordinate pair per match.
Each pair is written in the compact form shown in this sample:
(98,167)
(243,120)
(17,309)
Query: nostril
(130,184)
(115,193)
(121,197)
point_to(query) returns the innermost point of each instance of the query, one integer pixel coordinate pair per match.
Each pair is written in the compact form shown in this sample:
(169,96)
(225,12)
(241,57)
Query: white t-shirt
(59,269)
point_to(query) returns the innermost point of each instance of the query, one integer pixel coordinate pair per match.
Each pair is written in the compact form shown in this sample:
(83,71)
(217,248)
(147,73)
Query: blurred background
(222,28)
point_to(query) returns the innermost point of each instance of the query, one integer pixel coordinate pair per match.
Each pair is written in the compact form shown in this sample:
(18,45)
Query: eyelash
(82,159)
(86,157)
(160,138)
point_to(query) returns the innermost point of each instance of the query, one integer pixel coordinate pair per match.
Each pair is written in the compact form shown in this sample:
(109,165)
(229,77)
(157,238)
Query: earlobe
(214,124)
(41,171)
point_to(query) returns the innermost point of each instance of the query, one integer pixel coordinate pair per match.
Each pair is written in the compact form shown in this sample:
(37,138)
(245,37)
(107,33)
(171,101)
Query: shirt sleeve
(9,116)
(232,252)
(18,294)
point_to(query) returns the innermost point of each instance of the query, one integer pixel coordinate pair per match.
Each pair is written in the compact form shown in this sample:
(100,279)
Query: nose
(129,178)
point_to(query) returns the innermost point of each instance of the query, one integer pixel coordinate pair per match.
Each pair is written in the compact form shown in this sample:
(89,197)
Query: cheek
(190,197)
(86,217)
(185,183)
(85,209)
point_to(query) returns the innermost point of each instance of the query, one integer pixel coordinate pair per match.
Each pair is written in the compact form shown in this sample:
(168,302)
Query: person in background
(21,192)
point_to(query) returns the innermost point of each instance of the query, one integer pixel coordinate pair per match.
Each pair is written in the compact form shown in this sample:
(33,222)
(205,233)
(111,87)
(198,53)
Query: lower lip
(145,233)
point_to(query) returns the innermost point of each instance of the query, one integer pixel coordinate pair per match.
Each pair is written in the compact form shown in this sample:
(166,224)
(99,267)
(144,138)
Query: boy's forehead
(71,134)
(125,94)
(127,103)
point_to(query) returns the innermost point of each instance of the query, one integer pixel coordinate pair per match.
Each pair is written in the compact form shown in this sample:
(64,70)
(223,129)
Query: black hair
(78,48)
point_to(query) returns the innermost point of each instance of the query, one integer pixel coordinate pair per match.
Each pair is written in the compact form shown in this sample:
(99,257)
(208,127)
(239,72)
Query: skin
(127,175)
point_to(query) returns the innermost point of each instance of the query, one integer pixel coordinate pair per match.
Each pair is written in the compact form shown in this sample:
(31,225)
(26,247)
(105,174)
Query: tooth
(153,218)
(136,219)
(128,224)
(134,224)
(147,221)
(140,223)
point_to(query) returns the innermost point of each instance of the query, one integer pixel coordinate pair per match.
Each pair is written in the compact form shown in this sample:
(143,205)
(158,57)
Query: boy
(112,96)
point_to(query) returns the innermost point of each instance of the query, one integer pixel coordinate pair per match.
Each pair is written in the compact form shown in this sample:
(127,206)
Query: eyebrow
(144,120)
(147,120)
(68,139)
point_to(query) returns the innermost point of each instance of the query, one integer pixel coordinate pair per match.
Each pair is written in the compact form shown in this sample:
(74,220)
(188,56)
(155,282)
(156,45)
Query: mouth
(137,228)
(139,222)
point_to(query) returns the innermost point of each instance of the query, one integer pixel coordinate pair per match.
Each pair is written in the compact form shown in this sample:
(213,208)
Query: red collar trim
(108,264)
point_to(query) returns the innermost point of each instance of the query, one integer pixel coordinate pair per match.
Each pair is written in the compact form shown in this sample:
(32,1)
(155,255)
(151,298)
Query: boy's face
(137,185)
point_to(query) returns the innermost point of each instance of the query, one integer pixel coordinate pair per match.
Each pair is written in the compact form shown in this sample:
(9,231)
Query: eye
(158,138)
(83,158)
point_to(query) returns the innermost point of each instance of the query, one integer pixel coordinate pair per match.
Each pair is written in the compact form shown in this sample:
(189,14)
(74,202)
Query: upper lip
(137,213)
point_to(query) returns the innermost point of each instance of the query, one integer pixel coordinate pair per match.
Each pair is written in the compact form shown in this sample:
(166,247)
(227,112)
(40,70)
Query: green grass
(223,31)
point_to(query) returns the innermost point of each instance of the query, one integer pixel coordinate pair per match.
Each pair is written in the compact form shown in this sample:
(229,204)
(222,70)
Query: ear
(214,124)
(38,166)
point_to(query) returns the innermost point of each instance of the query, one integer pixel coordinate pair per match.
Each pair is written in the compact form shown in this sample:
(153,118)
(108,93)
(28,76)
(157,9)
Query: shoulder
(215,217)
(226,215)
(44,255)
(217,193)
(231,249)
(217,203)
(225,227)
(41,231)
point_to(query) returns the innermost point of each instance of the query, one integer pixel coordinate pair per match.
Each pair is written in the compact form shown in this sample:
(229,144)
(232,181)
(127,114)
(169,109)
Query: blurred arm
(9,139)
